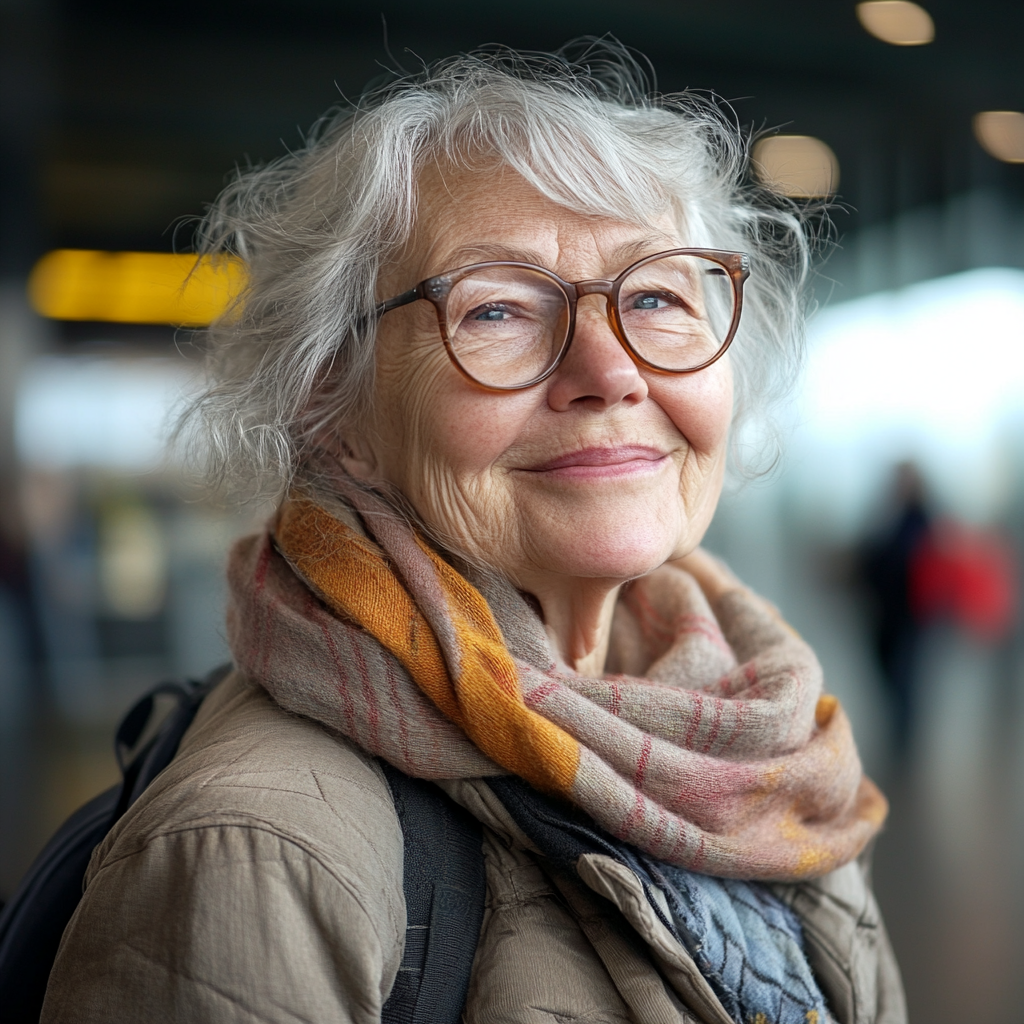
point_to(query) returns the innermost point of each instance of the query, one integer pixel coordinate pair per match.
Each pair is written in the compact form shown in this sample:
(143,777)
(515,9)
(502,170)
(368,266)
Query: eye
(491,314)
(654,300)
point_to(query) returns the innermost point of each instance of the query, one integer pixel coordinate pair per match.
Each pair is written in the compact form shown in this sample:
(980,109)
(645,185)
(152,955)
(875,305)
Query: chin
(623,557)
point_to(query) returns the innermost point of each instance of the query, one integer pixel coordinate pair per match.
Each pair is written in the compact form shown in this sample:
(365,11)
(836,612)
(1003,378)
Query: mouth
(589,463)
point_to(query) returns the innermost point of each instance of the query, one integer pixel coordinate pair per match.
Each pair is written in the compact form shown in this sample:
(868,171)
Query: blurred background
(890,533)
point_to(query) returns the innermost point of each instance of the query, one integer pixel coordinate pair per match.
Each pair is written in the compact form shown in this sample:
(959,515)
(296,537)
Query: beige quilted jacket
(259,879)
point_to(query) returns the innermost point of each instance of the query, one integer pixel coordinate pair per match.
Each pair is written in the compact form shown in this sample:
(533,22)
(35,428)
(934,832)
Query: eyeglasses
(507,326)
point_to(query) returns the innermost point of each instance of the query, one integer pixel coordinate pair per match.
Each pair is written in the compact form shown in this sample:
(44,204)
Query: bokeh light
(799,166)
(898,22)
(1001,134)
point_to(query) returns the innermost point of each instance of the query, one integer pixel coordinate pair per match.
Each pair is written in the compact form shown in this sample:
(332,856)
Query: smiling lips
(623,460)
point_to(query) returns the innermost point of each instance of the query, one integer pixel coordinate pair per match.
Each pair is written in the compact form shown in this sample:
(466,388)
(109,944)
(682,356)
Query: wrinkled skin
(476,465)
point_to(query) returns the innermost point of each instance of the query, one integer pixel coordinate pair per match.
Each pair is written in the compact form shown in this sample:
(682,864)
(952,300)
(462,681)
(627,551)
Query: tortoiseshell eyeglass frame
(437,289)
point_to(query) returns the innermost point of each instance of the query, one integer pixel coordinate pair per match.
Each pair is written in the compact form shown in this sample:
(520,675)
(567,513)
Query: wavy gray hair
(296,353)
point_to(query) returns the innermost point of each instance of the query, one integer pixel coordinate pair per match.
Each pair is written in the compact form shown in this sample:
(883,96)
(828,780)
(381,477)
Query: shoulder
(247,764)
(264,862)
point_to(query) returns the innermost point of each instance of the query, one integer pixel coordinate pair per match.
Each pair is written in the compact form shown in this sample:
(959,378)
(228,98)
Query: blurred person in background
(18,635)
(19,662)
(896,620)
(490,356)
(922,570)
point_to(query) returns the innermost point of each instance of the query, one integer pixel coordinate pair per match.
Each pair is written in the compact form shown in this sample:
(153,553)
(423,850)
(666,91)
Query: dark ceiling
(123,116)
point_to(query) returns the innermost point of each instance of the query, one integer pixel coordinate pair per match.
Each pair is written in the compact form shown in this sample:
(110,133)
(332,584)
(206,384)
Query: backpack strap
(445,889)
(156,754)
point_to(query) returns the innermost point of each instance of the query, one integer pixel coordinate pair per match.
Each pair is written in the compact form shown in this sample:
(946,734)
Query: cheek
(466,432)
(408,371)
(700,407)
(438,432)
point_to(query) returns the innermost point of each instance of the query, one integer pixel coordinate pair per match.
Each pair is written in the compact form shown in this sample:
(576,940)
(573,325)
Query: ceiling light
(134,287)
(897,21)
(1001,134)
(799,166)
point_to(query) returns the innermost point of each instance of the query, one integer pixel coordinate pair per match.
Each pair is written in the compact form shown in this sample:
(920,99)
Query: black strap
(148,762)
(445,889)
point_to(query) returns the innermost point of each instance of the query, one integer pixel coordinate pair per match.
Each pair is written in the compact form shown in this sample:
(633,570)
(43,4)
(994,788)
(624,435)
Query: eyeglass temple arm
(398,300)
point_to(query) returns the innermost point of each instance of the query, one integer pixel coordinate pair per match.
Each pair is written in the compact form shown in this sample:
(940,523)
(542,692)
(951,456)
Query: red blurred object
(965,575)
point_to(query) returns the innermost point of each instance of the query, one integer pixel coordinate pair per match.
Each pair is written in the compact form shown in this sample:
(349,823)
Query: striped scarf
(709,745)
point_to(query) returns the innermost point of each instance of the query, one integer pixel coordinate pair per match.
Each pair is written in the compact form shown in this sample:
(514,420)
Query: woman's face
(603,470)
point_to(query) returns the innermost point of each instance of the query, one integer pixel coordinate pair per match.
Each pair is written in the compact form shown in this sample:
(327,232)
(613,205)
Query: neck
(578,619)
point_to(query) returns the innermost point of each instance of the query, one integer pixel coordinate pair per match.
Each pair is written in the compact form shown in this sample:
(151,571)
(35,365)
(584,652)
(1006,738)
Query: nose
(597,371)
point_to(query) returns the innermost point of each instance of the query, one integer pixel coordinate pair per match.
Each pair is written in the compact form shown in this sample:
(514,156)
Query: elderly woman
(500,321)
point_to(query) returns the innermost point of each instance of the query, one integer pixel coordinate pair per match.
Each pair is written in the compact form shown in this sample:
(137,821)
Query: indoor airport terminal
(577,444)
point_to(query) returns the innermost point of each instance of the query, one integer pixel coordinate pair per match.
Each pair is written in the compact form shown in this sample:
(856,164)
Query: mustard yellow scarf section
(480,693)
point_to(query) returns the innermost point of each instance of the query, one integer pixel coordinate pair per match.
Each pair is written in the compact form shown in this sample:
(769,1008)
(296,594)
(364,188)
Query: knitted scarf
(709,747)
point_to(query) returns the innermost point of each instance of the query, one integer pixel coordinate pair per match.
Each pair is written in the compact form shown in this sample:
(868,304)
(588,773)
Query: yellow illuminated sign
(134,287)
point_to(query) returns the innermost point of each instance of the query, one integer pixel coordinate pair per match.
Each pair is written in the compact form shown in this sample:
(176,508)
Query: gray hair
(295,355)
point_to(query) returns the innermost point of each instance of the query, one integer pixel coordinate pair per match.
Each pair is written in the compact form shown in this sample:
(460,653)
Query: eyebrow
(629,252)
(620,257)
(486,252)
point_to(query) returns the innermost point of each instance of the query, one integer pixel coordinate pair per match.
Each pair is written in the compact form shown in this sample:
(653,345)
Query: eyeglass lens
(507,325)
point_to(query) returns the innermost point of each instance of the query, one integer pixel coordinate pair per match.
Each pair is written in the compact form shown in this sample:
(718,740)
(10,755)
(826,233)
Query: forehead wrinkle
(448,195)
(618,258)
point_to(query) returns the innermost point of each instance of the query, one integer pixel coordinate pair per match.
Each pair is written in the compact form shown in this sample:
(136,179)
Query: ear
(357,457)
